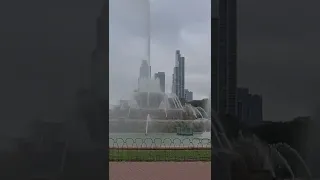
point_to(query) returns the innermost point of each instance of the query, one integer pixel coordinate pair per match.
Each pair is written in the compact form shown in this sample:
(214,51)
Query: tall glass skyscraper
(224,59)
(178,75)
(144,70)
(99,64)
(162,78)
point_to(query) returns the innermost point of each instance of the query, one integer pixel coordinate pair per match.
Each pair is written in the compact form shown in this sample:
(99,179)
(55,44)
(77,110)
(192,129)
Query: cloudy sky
(279,55)
(174,25)
(277,52)
(46,47)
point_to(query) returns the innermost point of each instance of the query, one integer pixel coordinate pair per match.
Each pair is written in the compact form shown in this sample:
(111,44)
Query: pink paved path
(160,170)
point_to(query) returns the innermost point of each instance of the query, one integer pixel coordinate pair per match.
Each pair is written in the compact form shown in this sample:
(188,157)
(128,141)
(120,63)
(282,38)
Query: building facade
(144,69)
(178,81)
(162,78)
(224,59)
(188,95)
(99,64)
(249,107)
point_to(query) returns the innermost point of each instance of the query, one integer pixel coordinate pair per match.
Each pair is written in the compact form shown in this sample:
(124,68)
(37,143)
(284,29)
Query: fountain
(248,154)
(147,123)
(206,135)
(254,157)
(261,158)
(171,119)
(283,147)
(162,107)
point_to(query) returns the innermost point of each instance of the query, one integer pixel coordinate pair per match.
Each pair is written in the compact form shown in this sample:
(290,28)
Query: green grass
(159,155)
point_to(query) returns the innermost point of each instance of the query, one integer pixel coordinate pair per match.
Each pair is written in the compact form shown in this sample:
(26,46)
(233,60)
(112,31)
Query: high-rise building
(243,104)
(178,76)
(181,71)
(249,106)
(188,95)
(224,45)
(162,78)
(99,63)
(173,88)
(144,73)
(256,108)
(144,69)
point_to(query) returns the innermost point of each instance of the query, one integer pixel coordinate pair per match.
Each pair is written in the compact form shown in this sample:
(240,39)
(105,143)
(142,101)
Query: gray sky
(279,55)
(45,48)
(174,25)
(277,50)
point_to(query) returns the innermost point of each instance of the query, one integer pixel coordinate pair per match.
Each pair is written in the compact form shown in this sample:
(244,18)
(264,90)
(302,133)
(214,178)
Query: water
(206,135)
(157,140)
(284,162)
(147,124)
(286,147)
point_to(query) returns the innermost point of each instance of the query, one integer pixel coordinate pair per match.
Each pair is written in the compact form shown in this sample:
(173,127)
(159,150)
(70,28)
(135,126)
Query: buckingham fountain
(151,113)
(153,118)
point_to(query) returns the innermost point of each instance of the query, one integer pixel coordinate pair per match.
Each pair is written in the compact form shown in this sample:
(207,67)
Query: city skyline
(188,33)
(262,63)
(178,77)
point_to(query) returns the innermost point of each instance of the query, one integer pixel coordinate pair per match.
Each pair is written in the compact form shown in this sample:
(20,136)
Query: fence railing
(159,149)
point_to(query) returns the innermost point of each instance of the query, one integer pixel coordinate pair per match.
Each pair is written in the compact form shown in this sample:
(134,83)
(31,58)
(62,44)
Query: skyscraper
(224,58)
(188,95)
(178,76)
(162,78)
(256,114)
(144,69)
(92,127)
(249,106)
(99,64)
(144,73)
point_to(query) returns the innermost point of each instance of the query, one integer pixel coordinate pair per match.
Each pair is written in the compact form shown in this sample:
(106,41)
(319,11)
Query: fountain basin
(184,131)
(119,140)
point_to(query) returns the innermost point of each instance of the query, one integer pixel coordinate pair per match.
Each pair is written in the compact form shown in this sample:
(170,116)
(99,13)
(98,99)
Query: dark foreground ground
(79,165)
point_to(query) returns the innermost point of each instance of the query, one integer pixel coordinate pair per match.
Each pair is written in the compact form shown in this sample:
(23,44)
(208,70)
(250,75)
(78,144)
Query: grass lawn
(159,155)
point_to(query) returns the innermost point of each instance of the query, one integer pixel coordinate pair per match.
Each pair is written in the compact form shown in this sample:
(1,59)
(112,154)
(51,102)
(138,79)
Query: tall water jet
(283,161)
(147,123)
(284,146)
(207,107)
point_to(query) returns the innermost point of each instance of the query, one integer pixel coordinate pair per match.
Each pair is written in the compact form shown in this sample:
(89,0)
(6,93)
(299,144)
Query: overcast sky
(279,55)
(46,45)
(174,25)
(277,51)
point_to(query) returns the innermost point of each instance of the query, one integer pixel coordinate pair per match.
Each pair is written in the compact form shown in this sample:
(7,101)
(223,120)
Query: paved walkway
(159,170)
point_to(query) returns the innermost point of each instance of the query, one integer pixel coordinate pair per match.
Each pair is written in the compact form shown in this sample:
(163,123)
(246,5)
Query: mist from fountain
(283,161)
(270,155)
(216,124)
(283,146)
(206,135)
(191,109)
(203,112)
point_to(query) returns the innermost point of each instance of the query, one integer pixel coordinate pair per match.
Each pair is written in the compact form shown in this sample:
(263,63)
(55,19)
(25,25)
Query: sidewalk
(159,170)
